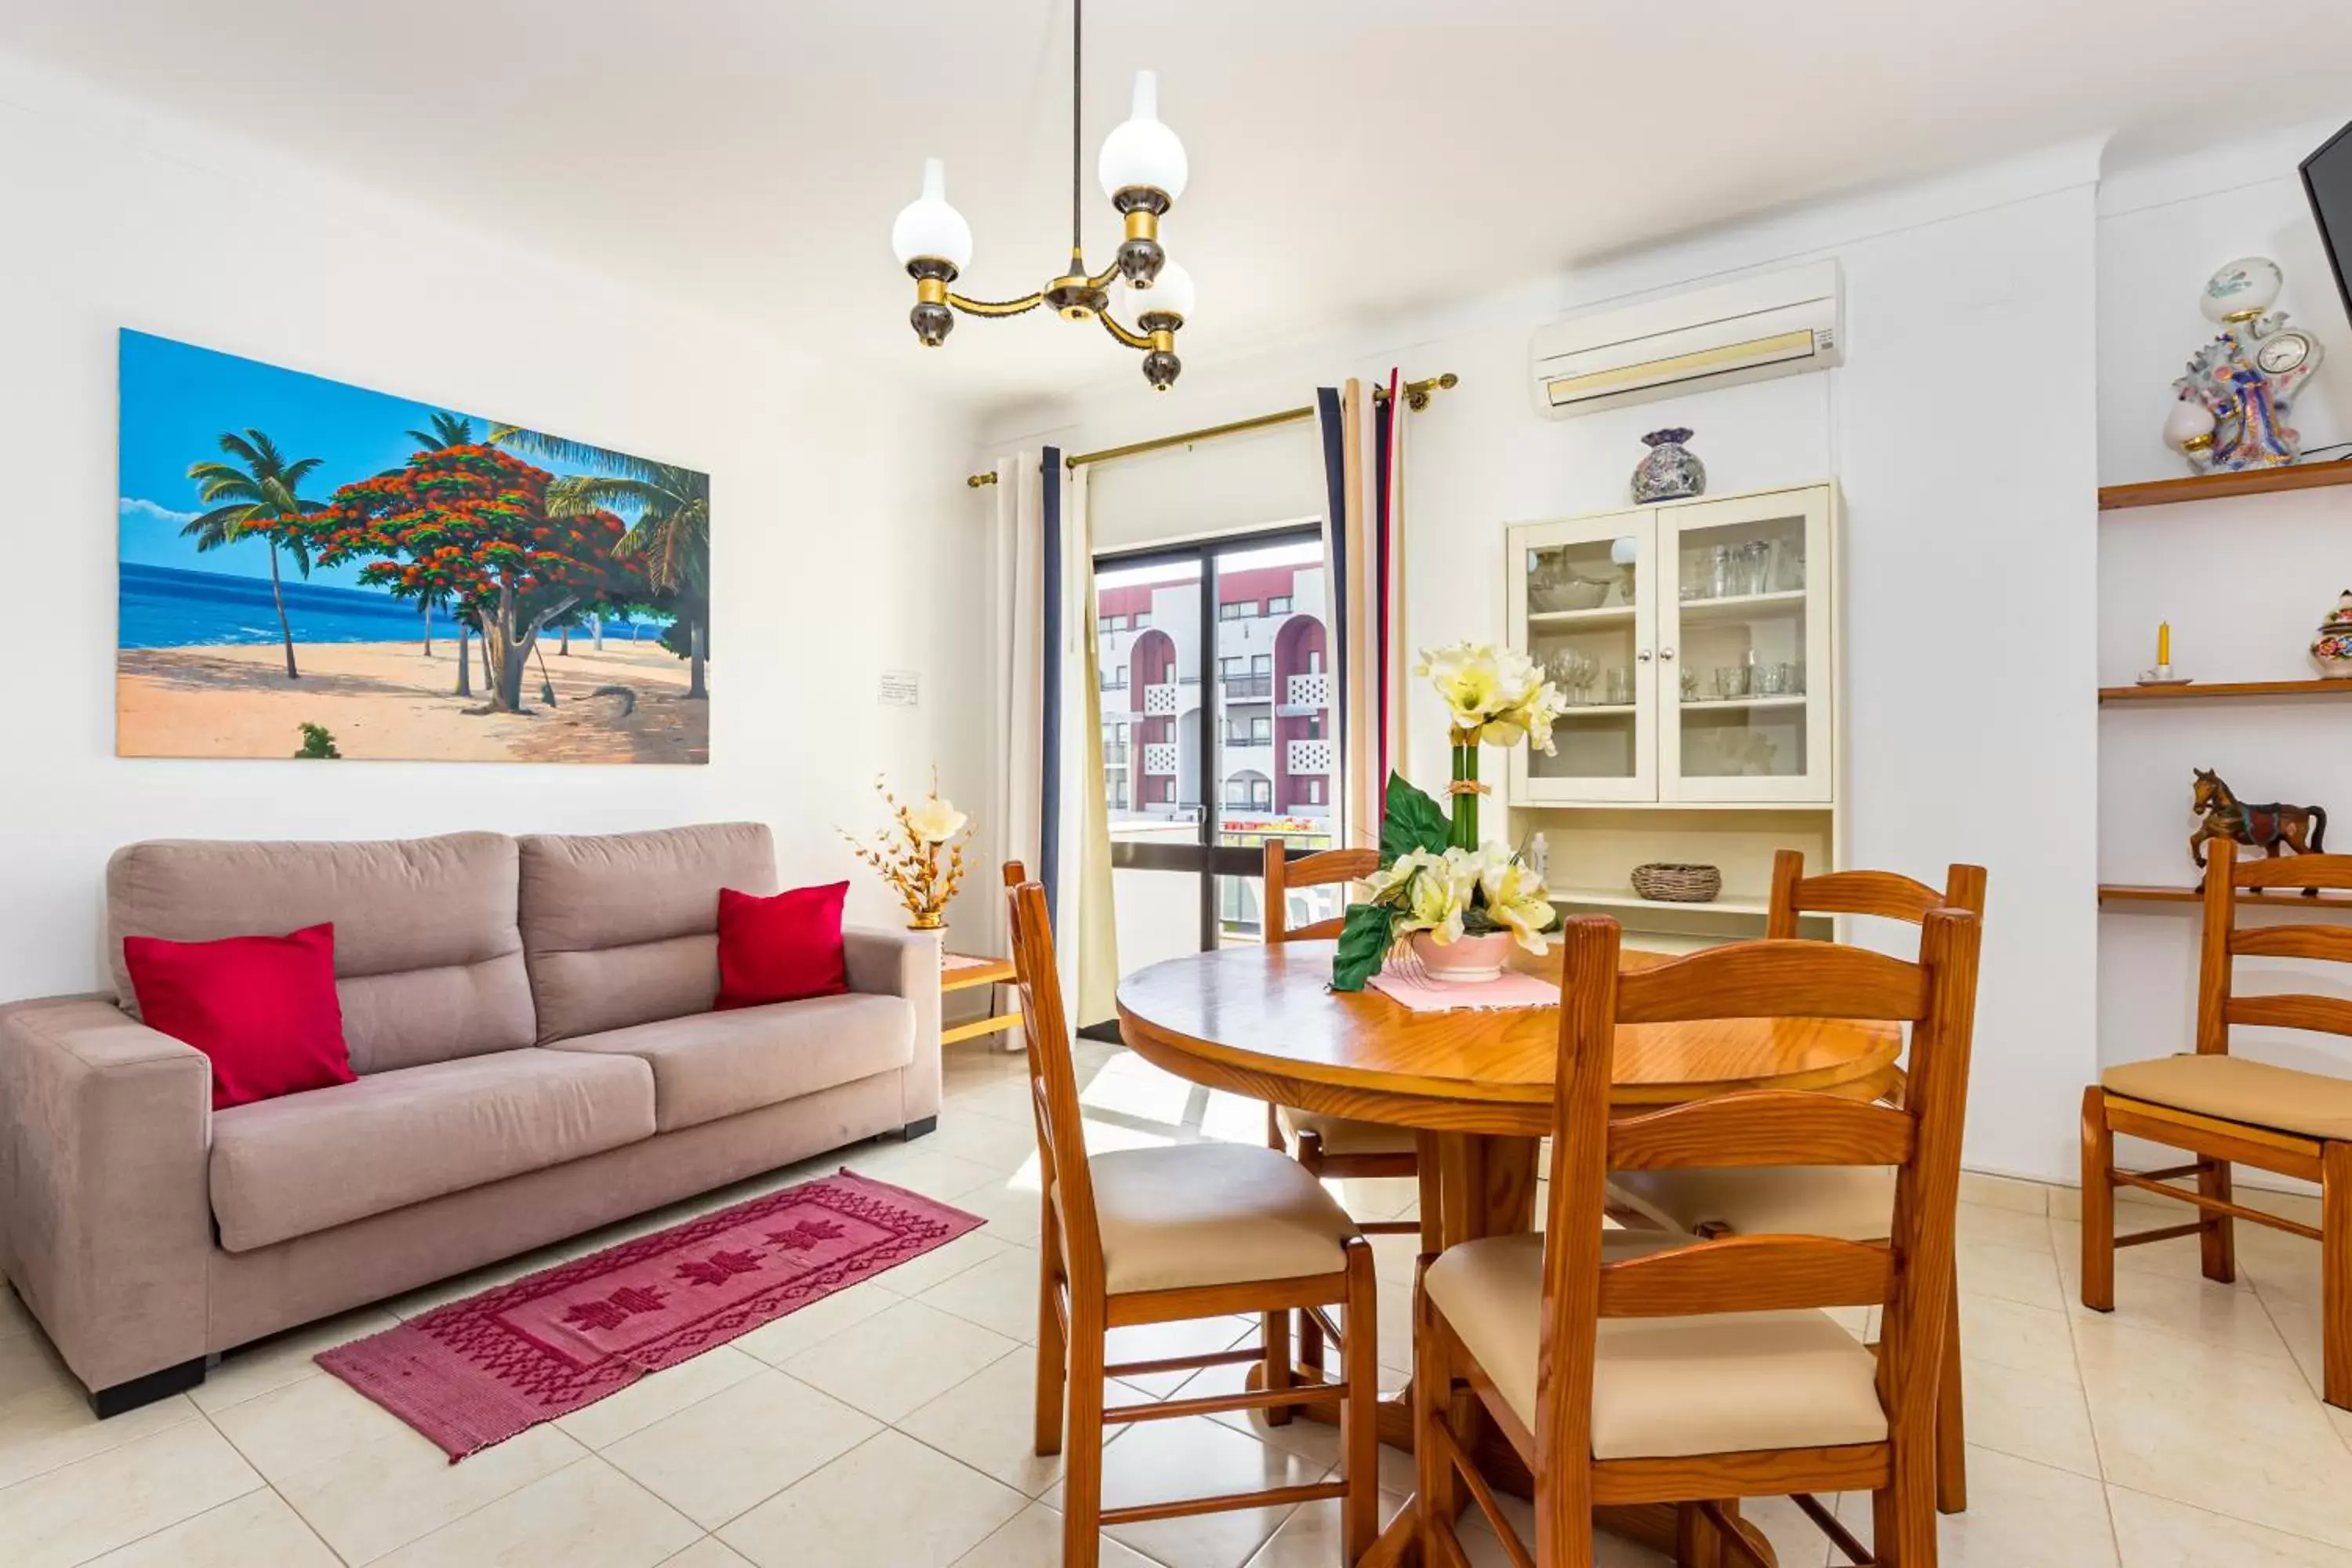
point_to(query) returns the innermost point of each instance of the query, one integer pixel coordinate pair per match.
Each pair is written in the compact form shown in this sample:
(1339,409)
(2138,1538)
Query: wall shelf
(2218,487)
(2208,691)
(2284,898)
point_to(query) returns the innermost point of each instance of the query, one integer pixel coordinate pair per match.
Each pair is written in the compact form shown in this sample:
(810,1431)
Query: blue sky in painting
(176,400)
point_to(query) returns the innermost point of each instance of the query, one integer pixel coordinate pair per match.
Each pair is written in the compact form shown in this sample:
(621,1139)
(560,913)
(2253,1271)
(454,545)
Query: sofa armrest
(105,1204)
(904,964)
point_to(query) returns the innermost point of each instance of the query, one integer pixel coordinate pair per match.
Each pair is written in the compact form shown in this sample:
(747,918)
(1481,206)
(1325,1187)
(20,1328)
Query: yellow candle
(2164,642)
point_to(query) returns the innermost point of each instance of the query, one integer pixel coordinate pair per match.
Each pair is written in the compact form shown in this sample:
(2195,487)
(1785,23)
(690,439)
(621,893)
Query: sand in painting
(388,700)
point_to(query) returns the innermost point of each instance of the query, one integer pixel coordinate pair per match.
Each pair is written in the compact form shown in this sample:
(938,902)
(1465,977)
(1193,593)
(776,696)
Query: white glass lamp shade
(2247,285)
(928,227)
(1170,295)
(2188,421)
(1625,552)
(1141,152)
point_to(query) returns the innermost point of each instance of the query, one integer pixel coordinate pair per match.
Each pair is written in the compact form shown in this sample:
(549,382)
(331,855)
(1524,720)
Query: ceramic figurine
(1669,472)
(2233,400)
(2269,828)
(2332,648)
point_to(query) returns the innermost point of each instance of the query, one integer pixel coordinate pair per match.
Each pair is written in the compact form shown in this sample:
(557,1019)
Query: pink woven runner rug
(479,1370)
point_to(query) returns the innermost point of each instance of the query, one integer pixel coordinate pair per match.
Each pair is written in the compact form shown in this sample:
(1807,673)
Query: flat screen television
(2327,182)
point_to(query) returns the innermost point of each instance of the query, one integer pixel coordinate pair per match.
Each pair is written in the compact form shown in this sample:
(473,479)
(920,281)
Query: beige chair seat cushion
(2235,1089)
(713,1064)
(305,1162)
(1667,1388)
(1851,1202)
(1344,1136)
(1192,1215)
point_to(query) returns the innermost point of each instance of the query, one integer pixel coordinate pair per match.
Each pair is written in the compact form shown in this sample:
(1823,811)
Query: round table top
(1263,1021)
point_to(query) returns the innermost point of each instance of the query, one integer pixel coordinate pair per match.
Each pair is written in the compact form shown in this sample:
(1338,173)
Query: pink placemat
(1415,990)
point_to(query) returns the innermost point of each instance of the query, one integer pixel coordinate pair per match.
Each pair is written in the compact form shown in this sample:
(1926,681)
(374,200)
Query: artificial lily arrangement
(1435,875)
(908,859)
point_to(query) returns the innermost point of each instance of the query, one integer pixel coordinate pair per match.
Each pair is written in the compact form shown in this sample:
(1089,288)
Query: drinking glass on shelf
(1723,576)
(1694,569)
(1772,679)
(1690,685)
(1755,566)
(1793,677)
(1619,687)
(1789,573)
(1730,682)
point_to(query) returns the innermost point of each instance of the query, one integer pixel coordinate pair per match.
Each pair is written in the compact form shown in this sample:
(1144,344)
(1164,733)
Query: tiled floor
(889,1424)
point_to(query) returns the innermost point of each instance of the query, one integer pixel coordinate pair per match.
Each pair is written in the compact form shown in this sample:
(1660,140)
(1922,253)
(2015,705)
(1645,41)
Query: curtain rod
(1416,396)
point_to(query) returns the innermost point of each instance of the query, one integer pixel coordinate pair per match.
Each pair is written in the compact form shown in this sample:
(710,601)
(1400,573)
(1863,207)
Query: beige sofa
(530,1020)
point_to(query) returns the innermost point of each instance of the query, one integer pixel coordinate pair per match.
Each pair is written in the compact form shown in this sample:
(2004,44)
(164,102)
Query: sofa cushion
(428,954)
(781,948)
(623,929)
(261,1008)
(306,1162)
(719,1064)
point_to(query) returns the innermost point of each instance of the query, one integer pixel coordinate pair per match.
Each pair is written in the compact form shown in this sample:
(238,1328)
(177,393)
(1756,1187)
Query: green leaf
(1364,944)
(1411,820)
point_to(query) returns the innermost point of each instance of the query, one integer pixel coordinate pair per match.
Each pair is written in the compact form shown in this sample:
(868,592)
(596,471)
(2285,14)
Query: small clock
(2286,351)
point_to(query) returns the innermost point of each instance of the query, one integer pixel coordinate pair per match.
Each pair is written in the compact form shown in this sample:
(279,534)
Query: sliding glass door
(1220,718)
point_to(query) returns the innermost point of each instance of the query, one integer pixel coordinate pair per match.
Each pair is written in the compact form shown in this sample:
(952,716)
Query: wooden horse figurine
(2270,829)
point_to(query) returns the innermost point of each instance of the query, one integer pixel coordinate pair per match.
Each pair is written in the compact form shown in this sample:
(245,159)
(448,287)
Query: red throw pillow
(263,1009)
(781,948)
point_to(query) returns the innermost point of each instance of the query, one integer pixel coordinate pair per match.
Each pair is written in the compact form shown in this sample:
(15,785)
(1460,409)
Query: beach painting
(311,570)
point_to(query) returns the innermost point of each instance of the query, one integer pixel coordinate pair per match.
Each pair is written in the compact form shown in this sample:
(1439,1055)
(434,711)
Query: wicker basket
(1677,884)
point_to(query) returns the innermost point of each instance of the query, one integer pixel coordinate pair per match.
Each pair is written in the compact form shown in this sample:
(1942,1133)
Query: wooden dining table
(1476,1085)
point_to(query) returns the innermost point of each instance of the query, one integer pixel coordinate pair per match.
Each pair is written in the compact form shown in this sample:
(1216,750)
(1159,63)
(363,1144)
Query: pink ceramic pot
(1466,960)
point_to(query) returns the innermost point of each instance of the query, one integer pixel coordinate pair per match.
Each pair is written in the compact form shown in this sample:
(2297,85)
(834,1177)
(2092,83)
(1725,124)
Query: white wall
(1969,552)
(2243,582)
(837,552)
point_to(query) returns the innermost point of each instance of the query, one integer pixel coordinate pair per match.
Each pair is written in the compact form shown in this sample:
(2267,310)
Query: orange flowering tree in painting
(470,522)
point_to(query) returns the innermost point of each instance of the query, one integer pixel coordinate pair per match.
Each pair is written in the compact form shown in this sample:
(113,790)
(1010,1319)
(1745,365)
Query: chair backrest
(1911,1275)
(1282,874)
(2217,1005)
(1889,894)
(1054,1081)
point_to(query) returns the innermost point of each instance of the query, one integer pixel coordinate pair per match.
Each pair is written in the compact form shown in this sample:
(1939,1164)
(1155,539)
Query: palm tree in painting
(668,508)
(448,430)
(256,499)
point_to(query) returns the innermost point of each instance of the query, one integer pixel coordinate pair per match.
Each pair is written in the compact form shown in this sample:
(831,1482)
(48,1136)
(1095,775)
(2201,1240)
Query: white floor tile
(2151,1532)
(290,1357)
(110,1499)
(49,1429)
(999,1293)
(891,1500)
(899,1360)
(249,1531)
(389,1492)
(1033,1538)
(586,1515)
(1157,1461)
(739,1447)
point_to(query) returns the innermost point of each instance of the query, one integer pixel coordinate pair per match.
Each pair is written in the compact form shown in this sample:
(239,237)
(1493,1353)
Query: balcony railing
(1246,686)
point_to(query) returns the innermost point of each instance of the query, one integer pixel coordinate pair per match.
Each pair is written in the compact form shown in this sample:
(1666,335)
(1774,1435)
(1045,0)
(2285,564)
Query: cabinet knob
(1665,653)
(1643,655)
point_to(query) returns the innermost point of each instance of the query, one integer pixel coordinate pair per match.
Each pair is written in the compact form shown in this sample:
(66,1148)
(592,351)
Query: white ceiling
(1349,157)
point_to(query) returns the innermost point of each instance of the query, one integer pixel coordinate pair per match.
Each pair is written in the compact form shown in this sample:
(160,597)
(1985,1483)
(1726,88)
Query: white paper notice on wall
(901,688)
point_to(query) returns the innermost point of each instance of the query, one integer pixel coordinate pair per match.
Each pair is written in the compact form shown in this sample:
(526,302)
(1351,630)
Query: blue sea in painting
(166,606)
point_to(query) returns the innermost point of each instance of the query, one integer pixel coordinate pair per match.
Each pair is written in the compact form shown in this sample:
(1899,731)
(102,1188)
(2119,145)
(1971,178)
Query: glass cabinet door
(1581,607)
(1745,654)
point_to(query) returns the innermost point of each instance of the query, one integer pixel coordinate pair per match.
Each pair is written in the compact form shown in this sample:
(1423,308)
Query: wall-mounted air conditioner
(1775,324)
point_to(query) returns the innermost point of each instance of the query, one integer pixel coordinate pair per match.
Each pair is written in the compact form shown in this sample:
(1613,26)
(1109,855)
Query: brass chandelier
(1142,171)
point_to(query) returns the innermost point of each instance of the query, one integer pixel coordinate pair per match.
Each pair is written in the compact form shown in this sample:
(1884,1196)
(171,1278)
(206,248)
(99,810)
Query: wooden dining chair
(2222,1108)
(1665,1370)
(1856,1203)
(1164,1235)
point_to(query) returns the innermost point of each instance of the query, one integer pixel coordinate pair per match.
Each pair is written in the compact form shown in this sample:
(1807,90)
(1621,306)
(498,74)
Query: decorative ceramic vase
(1466,960)
(1669,472)
(2332,648)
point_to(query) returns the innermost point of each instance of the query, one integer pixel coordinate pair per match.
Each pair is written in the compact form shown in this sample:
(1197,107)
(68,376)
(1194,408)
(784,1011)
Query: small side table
(963,972)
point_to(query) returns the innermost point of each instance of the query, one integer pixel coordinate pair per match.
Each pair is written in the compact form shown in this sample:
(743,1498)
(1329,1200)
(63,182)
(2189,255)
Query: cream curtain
(1363,534)
(1051,814)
